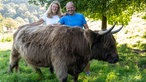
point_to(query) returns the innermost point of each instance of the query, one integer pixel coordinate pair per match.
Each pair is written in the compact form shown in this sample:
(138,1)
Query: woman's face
(54,8)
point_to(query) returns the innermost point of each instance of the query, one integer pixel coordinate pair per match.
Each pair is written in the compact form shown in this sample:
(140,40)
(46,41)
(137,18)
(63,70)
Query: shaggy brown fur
(66,49)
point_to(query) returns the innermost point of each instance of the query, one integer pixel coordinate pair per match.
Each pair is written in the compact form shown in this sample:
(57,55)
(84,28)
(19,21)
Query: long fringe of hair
(49,11)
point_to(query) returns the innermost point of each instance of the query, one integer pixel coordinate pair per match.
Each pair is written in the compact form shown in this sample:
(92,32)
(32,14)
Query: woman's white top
(52,20)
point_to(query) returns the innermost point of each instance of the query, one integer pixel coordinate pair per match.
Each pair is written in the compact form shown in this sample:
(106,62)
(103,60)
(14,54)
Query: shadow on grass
(5,52)
(133,56)
(4,55)
(144,36)
(124,48)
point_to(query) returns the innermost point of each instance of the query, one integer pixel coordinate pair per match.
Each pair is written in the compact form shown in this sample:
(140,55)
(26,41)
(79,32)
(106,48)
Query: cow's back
(40,44)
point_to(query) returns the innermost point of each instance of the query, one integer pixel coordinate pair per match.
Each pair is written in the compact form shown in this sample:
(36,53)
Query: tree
(10,23)
(1,24)
(20,21)
(0,4)
(109,11)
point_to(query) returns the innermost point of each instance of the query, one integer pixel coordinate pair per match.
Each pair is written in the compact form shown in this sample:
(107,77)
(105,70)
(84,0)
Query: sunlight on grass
(138,77)
(111,77)
(1,59)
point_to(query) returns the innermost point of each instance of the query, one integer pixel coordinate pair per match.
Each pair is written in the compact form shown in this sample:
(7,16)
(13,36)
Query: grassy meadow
(131,45)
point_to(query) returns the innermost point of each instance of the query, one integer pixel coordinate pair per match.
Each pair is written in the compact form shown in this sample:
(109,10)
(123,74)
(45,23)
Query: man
(74,19)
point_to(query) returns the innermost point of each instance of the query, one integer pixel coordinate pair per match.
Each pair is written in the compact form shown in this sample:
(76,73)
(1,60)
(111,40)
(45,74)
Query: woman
(51,16)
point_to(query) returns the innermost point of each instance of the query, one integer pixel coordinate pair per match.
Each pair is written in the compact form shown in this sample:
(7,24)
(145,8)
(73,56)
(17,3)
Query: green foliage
(6,37)
(21,11)
(1,24)
(10,23)
(114,10)
(144,17)
(0,4)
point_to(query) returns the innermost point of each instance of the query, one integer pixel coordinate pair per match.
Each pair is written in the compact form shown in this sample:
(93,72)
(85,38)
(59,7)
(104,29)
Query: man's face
(70,8)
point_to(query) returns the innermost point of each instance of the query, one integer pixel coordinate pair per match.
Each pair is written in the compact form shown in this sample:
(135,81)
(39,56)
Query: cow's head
(103,44)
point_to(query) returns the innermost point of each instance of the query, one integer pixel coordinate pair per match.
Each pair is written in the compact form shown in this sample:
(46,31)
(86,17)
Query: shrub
(144,17)
(6,37)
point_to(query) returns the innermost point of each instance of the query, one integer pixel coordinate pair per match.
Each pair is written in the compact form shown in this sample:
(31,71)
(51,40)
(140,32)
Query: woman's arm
(39,22)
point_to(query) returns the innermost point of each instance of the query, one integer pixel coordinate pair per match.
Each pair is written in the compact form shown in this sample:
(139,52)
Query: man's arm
(84,22)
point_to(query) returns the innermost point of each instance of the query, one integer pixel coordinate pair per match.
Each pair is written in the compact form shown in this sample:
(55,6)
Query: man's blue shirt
(73,20)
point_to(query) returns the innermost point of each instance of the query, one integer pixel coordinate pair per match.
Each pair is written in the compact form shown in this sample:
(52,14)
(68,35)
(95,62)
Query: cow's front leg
(75,78)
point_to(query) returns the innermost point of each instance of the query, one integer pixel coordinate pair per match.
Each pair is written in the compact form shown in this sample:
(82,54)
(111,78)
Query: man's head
(70,8)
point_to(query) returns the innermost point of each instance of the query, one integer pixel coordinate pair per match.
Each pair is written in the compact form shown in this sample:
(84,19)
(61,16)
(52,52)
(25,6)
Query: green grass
(130,68)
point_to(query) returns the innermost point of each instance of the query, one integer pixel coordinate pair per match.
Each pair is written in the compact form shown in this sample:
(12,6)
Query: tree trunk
(104,22)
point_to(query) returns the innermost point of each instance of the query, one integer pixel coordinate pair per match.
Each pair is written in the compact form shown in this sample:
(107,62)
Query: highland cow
(67,50)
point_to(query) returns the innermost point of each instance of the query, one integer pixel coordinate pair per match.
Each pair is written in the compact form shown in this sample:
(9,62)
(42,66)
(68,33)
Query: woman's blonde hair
(49,11)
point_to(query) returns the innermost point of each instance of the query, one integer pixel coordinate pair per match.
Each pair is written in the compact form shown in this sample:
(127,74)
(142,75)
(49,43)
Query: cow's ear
(90,36)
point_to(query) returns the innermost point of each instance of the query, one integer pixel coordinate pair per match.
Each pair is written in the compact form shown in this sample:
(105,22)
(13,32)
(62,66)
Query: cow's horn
(115,31)
(106,31)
